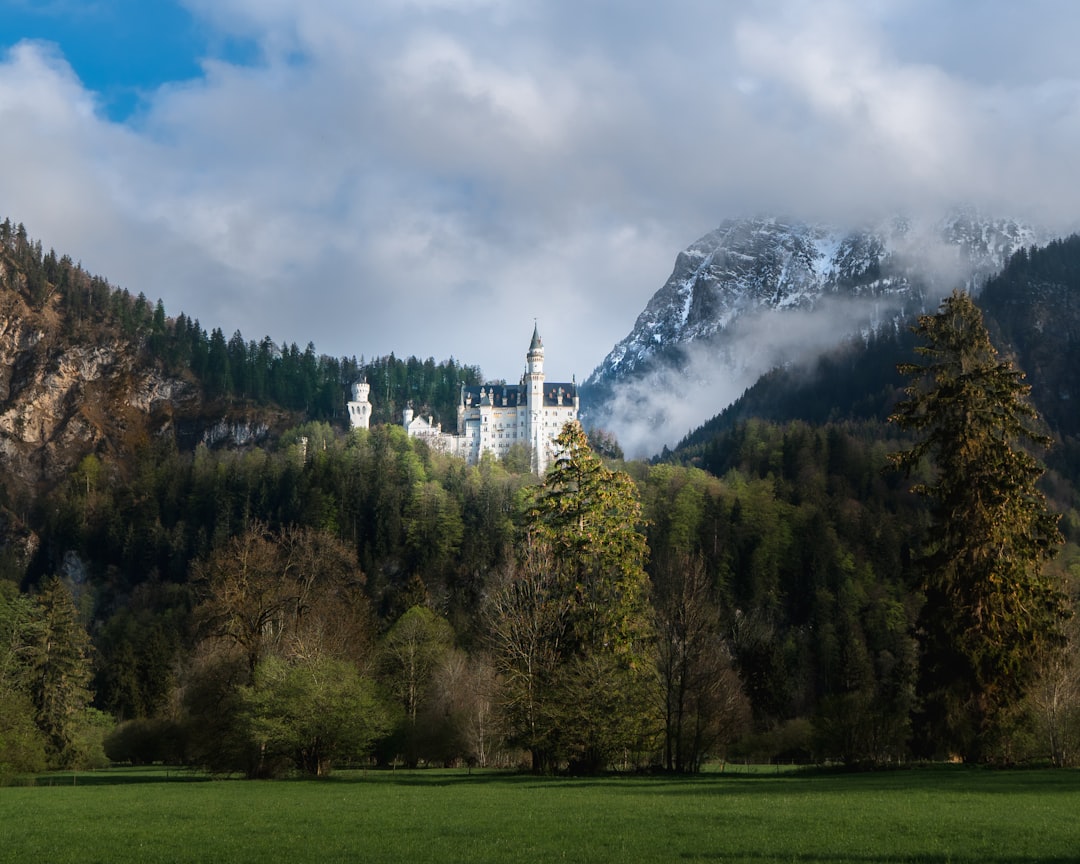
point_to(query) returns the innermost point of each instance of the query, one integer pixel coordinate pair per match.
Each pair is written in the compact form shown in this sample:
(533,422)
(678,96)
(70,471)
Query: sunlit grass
(931,815)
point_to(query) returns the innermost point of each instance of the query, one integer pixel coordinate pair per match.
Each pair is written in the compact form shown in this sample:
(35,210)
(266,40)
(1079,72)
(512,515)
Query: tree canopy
(991,614)
(585,587)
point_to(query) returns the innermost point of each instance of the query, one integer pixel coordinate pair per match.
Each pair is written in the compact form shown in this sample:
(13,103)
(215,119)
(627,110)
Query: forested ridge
(231,369)
(330,597)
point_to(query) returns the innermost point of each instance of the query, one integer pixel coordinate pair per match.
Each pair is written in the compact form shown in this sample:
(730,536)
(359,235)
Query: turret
(360,406)
(535,357)
(534,397)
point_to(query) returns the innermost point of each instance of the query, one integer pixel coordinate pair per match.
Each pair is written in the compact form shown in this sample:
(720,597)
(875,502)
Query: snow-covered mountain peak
(748,276)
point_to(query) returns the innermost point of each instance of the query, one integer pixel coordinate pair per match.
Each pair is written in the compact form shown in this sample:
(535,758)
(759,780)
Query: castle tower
(534,398)
(360,406)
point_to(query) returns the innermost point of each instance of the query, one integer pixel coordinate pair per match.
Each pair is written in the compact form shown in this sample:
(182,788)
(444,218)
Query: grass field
(938,815)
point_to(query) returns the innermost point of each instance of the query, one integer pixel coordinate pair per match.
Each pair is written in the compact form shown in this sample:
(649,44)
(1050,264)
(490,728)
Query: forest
(773,589)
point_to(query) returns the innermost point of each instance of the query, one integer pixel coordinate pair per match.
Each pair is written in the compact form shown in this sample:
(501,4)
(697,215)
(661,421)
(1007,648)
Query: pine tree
(586,519)
(61,670)
(22,744)
(990,614)
(589,515)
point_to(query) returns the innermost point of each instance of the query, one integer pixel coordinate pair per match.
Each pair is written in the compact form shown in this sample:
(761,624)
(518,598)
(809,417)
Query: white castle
(492,418)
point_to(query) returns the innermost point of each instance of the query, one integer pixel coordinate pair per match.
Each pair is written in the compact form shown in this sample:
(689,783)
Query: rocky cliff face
(60,399)
(757,293)
(66,392)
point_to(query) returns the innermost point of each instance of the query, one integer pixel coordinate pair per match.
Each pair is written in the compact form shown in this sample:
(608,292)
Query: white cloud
(428,176)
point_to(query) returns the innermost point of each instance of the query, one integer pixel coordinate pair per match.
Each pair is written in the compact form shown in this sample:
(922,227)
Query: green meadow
(945,814)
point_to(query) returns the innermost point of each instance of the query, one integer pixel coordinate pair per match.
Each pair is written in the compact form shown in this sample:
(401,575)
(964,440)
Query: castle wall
(495,417)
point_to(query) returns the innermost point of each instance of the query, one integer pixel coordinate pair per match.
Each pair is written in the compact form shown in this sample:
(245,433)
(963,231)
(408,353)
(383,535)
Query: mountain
(756,294)
(97,383)
(1032,311)
(88,369)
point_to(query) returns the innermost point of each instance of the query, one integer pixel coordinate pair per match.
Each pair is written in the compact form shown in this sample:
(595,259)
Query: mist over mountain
(758,294)
(1032,311)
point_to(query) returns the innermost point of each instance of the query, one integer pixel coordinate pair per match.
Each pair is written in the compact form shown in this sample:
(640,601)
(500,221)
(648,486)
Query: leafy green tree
(22,746)
(21,629)
(89,732)
(518,459)
(703,702)
(488,494)
(292,598)
(310,712)
(990,615)
(410,656)
(433,529)
(212,729)
(135,657)
(589,516)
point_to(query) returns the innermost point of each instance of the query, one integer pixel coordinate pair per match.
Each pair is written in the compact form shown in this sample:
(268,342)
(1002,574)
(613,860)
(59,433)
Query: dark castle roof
(513,395)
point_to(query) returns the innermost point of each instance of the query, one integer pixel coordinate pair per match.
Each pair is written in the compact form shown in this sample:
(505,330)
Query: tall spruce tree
(586,519)
(990,613)
(61,673)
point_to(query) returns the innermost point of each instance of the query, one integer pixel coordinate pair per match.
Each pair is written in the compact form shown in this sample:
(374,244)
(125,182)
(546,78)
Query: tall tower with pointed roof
(495,417)
(534,381)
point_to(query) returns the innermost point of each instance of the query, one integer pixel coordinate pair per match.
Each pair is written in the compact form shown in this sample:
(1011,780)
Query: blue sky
(429,176)
(121,50)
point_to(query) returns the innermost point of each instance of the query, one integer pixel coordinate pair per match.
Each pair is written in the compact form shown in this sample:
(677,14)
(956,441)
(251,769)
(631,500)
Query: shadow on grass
(810,781)
(936,779)
(949,858)
(436,777)
(122,777)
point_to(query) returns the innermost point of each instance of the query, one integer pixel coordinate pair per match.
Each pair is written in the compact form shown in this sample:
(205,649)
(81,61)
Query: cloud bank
(427,176)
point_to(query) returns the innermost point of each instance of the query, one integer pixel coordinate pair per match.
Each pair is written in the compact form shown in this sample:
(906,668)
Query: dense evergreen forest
(337,597)
(233,369)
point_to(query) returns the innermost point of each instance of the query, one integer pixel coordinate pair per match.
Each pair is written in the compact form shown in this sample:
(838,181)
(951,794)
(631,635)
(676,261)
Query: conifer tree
(587,518)
(22,744)
(990,613)
(61,672)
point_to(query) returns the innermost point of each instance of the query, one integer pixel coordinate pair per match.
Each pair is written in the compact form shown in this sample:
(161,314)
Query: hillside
(1032,310)
(774,593)
(87,368)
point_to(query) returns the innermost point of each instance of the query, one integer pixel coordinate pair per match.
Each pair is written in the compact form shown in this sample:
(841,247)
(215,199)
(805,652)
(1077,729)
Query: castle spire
(536,344)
